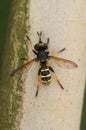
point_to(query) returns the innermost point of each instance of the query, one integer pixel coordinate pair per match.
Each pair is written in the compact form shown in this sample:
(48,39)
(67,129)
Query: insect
(42,56)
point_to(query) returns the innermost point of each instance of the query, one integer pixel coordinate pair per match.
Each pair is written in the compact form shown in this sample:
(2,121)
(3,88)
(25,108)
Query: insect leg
(61,50)
(56,77)
(57,53)
(48,40)
(29,41)
(34,52)
(31,44)
(25,59)
(37,82)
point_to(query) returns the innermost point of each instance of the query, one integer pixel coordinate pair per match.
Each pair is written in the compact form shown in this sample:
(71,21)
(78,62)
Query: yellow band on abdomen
(46,81)
(44,70)
(44,76)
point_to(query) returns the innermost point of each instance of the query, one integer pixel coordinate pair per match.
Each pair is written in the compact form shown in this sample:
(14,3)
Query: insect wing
(64,62)
(23,67)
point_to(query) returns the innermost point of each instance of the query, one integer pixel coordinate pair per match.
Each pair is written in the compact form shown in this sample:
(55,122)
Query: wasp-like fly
(42,56)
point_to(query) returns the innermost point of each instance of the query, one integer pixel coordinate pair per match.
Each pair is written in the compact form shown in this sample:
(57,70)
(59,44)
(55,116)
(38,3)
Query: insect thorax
(42,55)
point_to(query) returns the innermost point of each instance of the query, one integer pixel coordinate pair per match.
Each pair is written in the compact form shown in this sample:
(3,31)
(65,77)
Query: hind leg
(37,82)
(56,77)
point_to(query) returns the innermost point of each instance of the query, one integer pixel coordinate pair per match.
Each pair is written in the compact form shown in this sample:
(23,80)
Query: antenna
(39,35)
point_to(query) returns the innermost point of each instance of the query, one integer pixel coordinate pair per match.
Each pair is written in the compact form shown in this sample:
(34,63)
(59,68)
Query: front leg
(34,52)
(31,44)
(29,41)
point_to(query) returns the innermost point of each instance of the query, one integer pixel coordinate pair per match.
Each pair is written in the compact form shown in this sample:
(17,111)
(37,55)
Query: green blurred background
(4,21)
(83,118)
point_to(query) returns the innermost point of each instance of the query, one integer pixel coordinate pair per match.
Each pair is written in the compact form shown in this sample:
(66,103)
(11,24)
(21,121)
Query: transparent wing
(23,67)
(64,62)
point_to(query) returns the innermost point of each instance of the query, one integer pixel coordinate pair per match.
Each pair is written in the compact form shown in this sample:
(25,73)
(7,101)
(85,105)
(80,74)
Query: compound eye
(36,47)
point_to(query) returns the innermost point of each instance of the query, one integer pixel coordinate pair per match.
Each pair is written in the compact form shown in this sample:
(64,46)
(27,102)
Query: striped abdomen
(45,76)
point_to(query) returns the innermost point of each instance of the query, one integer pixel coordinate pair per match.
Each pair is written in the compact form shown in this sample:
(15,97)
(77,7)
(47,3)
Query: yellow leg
(31,44)
(26,59)
(29,41)
(37,82)
(37,85)
(58,80)
(56,77)
(48,40)
(57,53)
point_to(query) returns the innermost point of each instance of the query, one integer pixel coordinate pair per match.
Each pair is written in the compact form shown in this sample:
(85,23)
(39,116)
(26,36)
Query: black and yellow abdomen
(45,76)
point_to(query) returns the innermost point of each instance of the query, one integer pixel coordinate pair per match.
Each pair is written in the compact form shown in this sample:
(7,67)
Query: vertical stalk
(11,89)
